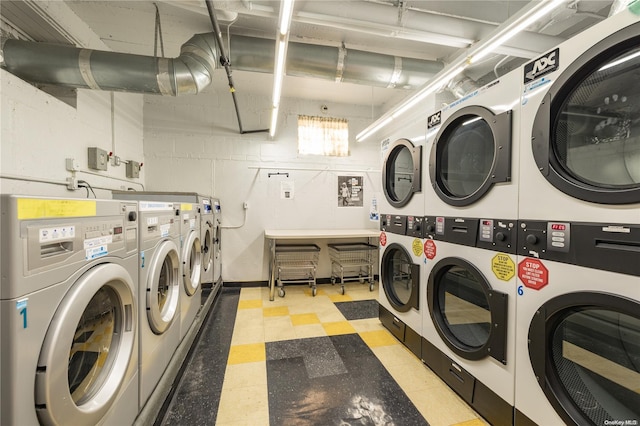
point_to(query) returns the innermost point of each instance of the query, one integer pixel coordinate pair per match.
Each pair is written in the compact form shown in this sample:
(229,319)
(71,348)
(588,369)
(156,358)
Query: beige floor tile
(309,330)
(244,406)
(412,375)
(243,335)
(278,328)
(394,354)
(245,375)
(440,406)
(250,293)
(249,317)
(367,324)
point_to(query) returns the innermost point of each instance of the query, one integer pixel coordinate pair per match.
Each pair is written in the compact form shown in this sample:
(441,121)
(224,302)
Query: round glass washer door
(586,134)
(207,250)
(586,348)
(471,152)
(402,172)
(400,278)
(88,348)
(191,263)
(163,287)
(468,314)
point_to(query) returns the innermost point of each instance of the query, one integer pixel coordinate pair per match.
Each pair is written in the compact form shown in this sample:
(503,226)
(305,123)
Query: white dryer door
(163,287)
(87,349)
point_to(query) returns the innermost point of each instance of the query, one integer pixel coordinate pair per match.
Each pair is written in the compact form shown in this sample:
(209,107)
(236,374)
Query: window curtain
(323,136)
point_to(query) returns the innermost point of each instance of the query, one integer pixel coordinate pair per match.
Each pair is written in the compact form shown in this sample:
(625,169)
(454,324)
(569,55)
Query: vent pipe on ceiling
(189,73)
(333,63)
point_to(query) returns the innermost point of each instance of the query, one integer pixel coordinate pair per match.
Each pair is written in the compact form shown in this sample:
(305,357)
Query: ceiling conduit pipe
(189,73)
(224,61)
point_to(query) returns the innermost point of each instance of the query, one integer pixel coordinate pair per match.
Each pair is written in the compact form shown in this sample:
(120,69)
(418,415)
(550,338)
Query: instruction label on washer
(164,229)
(96,252)
(503,267)
(98,241)
(48,235)
(34,208)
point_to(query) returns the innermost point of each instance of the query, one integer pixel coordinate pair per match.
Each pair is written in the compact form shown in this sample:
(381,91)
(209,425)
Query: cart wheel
(313,292)
(361,279)
(342,290)
(371,285)
(281,292)
(333,281)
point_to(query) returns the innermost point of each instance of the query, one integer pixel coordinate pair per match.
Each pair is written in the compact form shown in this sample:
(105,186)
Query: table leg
(272,270)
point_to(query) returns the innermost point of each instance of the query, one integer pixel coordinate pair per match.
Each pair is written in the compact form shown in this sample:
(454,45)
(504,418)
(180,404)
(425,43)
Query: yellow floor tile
(340,297)
(250,304)
(378,338)
(275,311)
(339,327)
(304,319)
(474,422)
(252,352)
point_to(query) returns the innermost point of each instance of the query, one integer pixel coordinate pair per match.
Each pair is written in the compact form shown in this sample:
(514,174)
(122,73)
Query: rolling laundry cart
(296,263)
(354,259)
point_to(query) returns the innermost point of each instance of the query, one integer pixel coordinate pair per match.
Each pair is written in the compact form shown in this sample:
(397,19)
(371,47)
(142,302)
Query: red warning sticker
(430,249)
(533,273)
(383,239)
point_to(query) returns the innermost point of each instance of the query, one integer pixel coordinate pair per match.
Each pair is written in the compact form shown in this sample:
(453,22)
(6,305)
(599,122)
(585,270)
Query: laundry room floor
(303,360)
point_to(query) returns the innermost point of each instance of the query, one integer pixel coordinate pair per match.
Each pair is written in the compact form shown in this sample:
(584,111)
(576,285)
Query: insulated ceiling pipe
(333,63)
(189,73)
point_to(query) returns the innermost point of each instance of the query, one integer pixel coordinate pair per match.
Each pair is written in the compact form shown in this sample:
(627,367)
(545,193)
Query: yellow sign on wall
(503,267)
(35,208)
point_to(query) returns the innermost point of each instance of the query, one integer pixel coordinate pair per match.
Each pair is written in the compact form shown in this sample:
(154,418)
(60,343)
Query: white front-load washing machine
(68,322)
(580,127)
(469,316)
(578,327)
(207,238)
(190,247)
(159,291)
(401,266)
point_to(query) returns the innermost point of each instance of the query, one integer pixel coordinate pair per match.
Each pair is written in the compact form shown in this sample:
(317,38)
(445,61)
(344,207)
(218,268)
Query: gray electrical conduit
(189,73)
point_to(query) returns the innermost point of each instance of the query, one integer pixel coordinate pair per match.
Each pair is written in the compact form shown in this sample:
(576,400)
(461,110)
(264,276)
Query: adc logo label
(541,66)
(434,119)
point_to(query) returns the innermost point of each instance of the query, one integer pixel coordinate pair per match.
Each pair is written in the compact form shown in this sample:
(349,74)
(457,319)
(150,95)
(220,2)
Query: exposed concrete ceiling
(425,30)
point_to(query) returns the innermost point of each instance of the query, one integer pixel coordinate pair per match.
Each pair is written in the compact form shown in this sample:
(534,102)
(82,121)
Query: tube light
(274,120)
(529,18)
(285,16)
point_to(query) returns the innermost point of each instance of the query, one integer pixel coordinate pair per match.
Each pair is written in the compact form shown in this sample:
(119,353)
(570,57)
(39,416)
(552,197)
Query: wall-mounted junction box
(133,169)
(98,158)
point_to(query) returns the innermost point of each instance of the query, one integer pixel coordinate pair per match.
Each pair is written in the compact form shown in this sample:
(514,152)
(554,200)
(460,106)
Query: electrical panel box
(98,158)
(133,169)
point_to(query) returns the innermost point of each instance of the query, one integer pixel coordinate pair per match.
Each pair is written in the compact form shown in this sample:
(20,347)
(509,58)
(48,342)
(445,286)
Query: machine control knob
(531,239)
(500,236)
(133,216)
(431,228)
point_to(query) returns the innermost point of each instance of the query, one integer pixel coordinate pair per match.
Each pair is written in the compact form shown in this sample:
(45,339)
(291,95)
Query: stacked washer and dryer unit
(68,311)
(401,250)
(471,228)
(578,315)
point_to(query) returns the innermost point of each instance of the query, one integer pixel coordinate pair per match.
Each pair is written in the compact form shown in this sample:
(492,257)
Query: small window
(323,136)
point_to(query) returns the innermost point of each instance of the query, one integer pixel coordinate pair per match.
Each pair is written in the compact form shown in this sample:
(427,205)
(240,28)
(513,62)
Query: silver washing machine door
(586,134)
(471,152)
(207,249)
(468,314)
(191,263)
(400,278)
(163,287)
(87,349)
(585,348)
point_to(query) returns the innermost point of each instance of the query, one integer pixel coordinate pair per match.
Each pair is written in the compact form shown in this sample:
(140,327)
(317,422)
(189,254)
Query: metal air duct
(189,73)
(333,63)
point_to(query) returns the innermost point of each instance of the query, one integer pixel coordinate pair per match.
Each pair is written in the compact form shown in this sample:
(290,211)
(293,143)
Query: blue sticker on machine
(542,65)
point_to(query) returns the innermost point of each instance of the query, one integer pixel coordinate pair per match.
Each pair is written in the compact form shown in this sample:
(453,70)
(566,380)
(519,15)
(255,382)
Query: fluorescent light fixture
(282,39)
(620,61)
(286,11)
(537,12)
(484,48)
